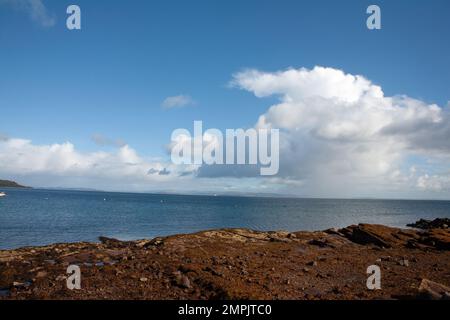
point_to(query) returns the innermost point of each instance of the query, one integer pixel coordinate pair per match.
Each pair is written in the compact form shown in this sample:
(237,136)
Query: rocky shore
(239,264)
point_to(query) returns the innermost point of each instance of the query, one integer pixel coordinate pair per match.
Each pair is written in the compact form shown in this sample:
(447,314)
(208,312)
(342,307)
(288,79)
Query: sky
(362,113)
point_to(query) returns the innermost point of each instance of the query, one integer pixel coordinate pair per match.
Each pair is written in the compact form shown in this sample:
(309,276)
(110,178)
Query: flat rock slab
(238,264)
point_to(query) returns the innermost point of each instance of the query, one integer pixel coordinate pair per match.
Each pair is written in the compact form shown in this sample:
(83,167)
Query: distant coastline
(11,184)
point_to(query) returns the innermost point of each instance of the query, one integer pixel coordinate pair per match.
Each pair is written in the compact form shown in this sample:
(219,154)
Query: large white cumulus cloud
(63,165)
(342,135)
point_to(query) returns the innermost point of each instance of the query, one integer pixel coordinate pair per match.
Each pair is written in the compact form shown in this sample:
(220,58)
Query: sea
(35,217)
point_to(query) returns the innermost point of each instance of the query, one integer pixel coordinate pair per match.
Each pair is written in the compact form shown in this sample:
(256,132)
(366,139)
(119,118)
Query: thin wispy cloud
(179,101)
(35,9)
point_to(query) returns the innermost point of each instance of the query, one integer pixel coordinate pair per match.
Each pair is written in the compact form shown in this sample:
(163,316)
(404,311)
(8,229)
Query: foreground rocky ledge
(238,264)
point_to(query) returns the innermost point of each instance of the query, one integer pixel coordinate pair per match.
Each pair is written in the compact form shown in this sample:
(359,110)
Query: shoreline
(227,195)
(237,264)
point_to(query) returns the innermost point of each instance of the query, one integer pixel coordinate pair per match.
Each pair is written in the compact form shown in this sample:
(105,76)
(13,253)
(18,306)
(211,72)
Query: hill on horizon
(10,184)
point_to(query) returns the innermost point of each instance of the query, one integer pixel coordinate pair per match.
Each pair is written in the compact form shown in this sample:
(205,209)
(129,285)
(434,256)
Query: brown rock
(41,274)
(387,237)
(184,282)
(371,234)
(438,238)
(111,242)
(320,243)
(312,264)
(433,290)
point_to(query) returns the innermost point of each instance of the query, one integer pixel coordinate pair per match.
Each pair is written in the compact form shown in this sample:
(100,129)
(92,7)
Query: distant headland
(10,184)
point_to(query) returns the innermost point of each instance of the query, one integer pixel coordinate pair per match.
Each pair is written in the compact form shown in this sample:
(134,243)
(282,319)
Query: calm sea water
(39,217)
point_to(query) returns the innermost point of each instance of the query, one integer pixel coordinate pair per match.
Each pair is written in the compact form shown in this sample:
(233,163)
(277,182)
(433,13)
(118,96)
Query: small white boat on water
(2,194)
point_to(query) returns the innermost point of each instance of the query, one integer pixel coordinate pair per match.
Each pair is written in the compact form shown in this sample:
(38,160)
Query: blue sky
(111,77)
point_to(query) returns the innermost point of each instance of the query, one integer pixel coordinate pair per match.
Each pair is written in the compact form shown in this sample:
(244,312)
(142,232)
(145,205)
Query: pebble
(41,274)
(185,282)
(404,263)
(21,284)
(60,278)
